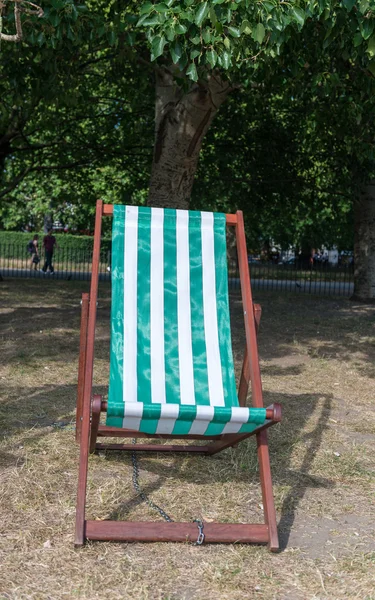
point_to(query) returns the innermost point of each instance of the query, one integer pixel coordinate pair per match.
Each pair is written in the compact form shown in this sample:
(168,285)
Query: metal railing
(71,263)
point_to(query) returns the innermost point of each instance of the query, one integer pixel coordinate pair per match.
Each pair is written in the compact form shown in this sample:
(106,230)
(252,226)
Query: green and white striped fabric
(171,365)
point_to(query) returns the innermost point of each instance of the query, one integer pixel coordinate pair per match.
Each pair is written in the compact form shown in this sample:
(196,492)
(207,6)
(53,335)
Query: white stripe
(204,416)
(215,378)
(168,416)
(240,415)
(185,351)
(157,307)
(130,304)
(133,412)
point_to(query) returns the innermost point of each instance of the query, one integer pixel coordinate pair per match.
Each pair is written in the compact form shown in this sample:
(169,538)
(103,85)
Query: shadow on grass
(240,465)
(326,327)
(333,327)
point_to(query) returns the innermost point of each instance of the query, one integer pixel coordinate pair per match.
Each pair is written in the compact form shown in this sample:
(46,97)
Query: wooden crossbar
(108,211)
(219,533)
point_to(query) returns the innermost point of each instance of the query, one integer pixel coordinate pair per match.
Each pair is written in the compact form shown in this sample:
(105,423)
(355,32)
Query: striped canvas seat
(171,364)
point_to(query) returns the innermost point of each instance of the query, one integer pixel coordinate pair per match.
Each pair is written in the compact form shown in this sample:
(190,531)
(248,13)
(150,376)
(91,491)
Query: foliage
(13,244)
(76,109)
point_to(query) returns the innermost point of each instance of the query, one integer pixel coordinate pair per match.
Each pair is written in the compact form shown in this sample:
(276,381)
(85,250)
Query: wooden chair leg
(95,419)
(82,363)
(82,480)
(87,387)
(267,493)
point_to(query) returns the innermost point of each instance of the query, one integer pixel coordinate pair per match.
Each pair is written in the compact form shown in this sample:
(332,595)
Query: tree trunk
(182,117)
(5,150)
(364,245)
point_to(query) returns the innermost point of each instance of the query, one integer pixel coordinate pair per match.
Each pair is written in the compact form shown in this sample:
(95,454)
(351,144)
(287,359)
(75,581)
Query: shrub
(75,248)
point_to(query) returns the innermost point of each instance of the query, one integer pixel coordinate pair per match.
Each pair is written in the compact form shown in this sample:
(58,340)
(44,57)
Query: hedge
(13,244)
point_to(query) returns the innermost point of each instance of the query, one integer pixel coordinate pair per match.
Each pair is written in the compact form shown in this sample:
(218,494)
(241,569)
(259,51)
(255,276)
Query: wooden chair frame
(88,426)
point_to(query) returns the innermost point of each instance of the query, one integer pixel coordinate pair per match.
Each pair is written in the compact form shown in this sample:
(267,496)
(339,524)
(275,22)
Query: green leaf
(180,28)
(170,34)
(371,46)
(41,38)
(299,15)
(371,67)
(259,33)
(151,21)
(213,16)
(194,54)
(158,44)
(130,37)
(218,1)
(225,59)
(363,6)
(245,27)
(58,4)
(54,19)
(112,38)
(234,32)
(176,52)
(161,8)
(211,57)
(146,8)
(349,4)
(357,40)
(206,35)
(367,29)
(227,43)
(201,14)
(191,71)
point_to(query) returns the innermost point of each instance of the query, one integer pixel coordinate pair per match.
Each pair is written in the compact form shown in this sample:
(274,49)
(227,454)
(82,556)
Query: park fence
(320,278)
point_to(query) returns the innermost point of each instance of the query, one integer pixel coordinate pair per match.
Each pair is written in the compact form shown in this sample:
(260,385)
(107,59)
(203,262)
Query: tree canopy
(292,144)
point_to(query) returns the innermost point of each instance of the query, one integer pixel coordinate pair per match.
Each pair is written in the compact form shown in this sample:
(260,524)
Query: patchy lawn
(318,360)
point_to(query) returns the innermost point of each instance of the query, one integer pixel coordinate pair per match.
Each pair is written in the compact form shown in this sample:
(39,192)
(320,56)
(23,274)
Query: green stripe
(186,416)
(196,308)
(172,372)
(222,305)
(117,313)
(143,306)
(150,418)
(187,413)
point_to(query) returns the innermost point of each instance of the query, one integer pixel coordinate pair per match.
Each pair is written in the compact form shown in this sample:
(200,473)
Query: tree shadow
(199,470)
(326,325)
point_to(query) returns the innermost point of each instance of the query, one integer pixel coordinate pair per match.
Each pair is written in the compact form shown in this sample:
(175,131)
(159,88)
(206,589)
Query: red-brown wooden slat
(108,211)
(154,447)
(82,363)
(89,366)
(221,533)
(256,383)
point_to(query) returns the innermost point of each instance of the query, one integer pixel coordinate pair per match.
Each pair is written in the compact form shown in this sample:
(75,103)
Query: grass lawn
(318,360)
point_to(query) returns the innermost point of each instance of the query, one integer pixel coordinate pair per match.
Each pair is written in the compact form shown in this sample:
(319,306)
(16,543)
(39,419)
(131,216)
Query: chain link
(201,535)
(141,494)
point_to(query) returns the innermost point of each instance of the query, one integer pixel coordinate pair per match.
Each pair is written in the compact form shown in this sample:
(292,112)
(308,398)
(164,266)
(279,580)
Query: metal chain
(201,535)
(141,494)
(154,506)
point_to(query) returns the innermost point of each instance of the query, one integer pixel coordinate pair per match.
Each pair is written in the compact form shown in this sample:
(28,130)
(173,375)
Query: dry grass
(317,359)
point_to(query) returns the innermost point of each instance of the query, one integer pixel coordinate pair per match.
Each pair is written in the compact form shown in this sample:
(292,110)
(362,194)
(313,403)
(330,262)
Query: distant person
(49,243)
(32,248)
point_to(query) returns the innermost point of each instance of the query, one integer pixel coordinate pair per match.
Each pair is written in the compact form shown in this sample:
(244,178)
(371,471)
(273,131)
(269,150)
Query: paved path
(289,285)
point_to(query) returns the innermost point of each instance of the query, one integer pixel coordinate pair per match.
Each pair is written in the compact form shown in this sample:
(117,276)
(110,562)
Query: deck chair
(171,361)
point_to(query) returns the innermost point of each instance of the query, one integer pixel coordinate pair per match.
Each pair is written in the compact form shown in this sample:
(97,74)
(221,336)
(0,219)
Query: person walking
(32,248)
(49,243)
